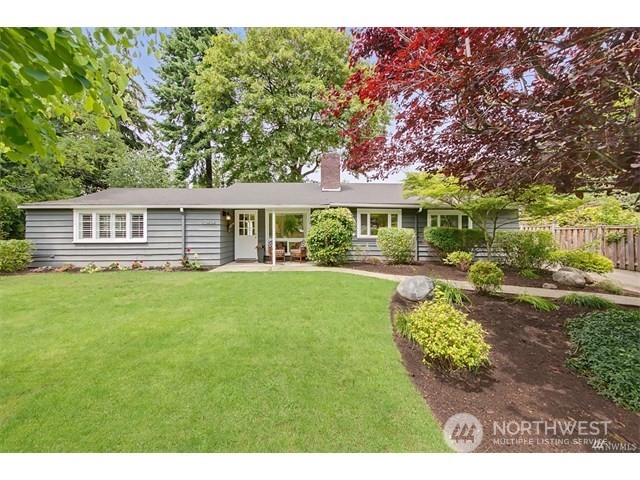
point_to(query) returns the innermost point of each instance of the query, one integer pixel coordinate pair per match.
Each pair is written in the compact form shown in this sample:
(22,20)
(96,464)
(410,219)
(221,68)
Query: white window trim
(448,212)
(368,211)
(77,229)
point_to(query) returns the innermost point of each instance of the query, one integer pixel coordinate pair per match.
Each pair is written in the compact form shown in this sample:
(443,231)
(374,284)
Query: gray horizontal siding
(51,232)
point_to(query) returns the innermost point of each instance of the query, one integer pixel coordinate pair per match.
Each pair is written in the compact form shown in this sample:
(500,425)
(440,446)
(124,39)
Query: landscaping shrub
(536,302)
(486,277)
(606,349)
(330,235)
(397,244)
(529,273)
(525,250)
(461,260)
(446,240)
(15,255)
(583,260)
(448,339)
(587,301)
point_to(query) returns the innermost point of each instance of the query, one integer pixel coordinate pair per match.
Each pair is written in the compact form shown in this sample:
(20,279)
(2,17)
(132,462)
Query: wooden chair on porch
(299,251)
(280,251)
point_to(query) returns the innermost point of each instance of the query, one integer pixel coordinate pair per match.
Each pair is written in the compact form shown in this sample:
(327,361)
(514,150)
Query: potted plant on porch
(260,251)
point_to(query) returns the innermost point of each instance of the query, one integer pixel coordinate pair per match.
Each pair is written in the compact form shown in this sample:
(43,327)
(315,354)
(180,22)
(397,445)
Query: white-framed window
(291,227)
(105,226)
(370,220)
(448,218)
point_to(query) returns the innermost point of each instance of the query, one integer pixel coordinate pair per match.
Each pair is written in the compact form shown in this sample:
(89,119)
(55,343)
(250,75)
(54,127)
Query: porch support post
(273,237)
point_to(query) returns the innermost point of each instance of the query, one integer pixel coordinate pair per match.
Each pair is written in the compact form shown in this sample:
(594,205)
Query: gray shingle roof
(242,195)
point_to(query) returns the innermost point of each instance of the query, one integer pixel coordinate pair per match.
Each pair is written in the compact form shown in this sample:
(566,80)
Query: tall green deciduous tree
(270,100)
(488,212)
(139,169)
(47,72)
(181,53)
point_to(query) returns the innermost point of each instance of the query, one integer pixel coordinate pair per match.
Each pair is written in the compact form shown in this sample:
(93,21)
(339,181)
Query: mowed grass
(204,362)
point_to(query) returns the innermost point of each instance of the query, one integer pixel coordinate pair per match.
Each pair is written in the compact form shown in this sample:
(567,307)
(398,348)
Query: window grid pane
(121,225)
(86,225)
(364,224)
(394,220)
(104,225)
(137,225)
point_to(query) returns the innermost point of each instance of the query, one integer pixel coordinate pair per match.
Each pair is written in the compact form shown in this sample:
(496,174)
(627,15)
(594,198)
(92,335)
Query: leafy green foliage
(525,250)
(15,255)
(450,293)
(139,169)
(449,340)
(583,260)
(606,349)
(48,71)
(271,100)
(529,273)
(461,260)
(538,303)
(490,211)
(446,240)
(587,301)
(610,286)
(330,235)
(591,212)
(486,277)
(397,244)
(402,322)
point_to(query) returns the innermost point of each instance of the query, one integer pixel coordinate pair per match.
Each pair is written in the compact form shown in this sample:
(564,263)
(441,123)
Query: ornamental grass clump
(448,339)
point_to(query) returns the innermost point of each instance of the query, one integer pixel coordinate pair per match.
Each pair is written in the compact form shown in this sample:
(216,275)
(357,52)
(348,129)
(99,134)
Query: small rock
(570,279)
(416,289)
(550,286)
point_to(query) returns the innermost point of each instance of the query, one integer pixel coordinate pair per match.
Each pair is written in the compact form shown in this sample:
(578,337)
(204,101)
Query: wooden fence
(621,244)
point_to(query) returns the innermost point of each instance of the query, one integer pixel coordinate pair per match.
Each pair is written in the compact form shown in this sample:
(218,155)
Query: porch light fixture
(227,216)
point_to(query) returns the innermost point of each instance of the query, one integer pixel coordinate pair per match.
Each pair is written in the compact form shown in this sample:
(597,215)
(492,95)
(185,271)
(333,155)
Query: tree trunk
(208,173)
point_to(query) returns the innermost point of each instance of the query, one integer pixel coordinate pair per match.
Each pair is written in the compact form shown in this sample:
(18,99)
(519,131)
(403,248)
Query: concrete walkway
(625,278)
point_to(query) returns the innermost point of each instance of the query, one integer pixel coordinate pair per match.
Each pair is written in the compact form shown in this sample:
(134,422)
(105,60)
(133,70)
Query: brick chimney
(330,172)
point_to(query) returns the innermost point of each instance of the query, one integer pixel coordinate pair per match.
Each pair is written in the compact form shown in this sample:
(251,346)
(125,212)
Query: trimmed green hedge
(525,250)
(583,260)
(15,255)
(446,240)
(397,244)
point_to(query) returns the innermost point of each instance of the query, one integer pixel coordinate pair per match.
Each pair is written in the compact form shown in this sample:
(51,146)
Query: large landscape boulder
(587,277)
(570,279)
(416,289)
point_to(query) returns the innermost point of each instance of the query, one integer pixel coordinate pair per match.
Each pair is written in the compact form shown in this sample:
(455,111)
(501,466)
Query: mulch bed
(436,269)
(528,381)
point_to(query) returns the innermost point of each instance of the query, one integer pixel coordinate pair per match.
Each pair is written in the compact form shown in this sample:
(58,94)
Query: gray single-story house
(158,225)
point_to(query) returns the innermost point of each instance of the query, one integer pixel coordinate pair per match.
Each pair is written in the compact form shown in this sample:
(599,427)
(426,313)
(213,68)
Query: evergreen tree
(182,52)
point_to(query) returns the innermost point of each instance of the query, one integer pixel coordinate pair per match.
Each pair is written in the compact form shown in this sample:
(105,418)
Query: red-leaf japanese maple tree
(502,108)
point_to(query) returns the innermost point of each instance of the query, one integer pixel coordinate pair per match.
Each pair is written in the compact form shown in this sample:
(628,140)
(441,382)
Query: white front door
(246,234)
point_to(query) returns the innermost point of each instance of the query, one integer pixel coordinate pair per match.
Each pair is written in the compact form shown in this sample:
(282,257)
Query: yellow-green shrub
(15,255)
(486,277)
(461,260)
(583,260)
(397,244)
(447,337)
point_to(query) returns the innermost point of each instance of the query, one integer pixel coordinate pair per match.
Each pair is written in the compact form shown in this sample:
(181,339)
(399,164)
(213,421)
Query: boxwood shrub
(397,244)
(15,255)
(446,240)
(486,277)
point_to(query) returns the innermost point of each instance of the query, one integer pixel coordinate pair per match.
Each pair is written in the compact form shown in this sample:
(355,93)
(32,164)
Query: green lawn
(204,362)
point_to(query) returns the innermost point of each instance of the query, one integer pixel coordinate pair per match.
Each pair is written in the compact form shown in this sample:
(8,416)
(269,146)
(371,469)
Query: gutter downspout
(417,237)
(184,226)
